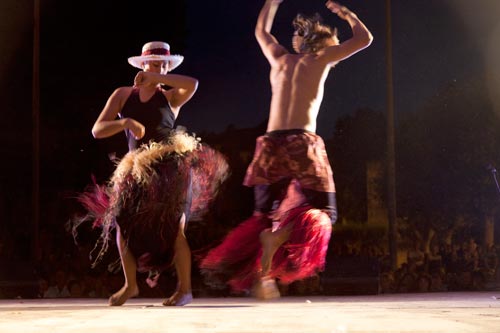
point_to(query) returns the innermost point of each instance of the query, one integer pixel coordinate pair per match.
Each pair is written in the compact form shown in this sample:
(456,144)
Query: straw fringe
(139,163)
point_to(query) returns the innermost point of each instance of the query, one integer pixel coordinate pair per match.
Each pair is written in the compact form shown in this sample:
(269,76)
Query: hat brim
(175,60)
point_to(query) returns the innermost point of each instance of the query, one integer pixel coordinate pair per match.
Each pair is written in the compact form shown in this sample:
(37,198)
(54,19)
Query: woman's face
(156,66)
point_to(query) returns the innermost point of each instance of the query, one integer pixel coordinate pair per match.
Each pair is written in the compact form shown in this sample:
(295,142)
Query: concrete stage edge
(433,312)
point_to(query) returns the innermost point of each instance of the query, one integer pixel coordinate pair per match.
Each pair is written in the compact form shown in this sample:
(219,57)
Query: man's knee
(264,218)
(331,212)
(268,197)
(325,201)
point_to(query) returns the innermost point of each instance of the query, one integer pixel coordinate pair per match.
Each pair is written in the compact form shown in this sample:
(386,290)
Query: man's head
(311,35)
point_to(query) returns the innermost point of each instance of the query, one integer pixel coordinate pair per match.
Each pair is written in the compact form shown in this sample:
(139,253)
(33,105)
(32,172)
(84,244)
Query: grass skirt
(147,194)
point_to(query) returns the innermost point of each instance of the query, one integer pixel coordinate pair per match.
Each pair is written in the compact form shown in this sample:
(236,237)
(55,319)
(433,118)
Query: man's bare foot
(122,295)
(179,299)
(266,289)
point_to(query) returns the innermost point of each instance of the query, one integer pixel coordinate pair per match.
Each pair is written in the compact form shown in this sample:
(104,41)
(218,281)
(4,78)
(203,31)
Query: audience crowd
(64,269)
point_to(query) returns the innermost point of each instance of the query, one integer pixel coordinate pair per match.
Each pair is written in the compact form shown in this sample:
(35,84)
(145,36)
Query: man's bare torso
(297,91)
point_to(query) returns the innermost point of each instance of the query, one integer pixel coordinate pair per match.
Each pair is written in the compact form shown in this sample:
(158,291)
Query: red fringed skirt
(236,261)
(148,193)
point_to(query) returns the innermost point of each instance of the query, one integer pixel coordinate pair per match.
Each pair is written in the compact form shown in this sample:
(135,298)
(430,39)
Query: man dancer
(290,151)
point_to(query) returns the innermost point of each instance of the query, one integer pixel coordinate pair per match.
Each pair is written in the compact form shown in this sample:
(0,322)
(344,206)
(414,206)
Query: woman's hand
(137,129)
(145,78)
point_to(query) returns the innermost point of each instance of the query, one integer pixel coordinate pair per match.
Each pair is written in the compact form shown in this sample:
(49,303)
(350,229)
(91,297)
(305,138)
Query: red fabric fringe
(236,261)
(303,255)
(95,200)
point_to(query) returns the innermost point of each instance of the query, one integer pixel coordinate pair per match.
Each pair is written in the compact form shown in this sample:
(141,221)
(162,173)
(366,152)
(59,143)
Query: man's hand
(340,10)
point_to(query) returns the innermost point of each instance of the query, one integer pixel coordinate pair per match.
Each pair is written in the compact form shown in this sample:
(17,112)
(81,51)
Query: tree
(357,139)
(444,151)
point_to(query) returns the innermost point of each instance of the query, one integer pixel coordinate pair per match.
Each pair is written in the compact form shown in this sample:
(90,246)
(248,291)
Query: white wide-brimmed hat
(156,51)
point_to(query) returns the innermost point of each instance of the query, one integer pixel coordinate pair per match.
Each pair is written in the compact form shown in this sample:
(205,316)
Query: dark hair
(314,32)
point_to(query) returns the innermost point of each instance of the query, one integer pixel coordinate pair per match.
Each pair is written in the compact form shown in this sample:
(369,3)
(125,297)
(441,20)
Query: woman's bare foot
(122,295)
(179,299)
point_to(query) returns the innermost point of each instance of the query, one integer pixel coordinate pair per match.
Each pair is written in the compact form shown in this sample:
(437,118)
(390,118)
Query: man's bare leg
(129,266)
(271,241)
(182,260)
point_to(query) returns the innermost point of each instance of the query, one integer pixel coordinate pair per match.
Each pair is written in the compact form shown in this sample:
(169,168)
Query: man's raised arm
(361,36)
(268,43)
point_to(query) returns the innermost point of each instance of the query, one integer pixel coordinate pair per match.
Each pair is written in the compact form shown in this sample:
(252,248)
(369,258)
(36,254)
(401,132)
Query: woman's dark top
(155,114)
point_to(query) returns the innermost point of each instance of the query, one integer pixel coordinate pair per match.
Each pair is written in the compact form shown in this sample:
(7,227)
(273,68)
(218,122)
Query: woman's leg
(129,266)
(182,261)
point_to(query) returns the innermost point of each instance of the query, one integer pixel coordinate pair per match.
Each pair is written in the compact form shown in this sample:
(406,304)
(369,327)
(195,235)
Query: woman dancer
(166,177)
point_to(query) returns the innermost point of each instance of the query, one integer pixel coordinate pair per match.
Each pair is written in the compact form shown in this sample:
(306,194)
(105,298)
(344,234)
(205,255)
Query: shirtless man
(290,150)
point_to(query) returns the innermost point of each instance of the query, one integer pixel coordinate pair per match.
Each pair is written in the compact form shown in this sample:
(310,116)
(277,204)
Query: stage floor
(433,312)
